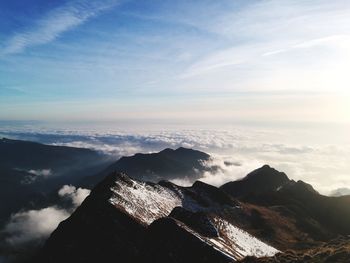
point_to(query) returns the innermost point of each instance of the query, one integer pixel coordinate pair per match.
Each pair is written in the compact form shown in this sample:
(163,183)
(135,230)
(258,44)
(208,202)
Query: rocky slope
(335,251)
(127,220)
(265,217)
(317,217)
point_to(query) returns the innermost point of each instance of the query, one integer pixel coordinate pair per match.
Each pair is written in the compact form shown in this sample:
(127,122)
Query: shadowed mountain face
(134,221)
(262,180)
(182,163)
(30,155)
(30,171)
(319,217)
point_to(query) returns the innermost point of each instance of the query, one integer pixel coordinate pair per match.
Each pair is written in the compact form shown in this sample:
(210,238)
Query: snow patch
(240,243)
(144,201)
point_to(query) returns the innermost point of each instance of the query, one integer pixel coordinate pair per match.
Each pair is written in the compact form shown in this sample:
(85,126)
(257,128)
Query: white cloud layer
(33,224)
(36,225)
(35,174)
(229,169)
(76,195)
(42,172)
(315,154)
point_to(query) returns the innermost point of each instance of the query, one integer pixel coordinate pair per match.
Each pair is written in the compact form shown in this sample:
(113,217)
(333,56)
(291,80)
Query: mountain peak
(184,149)
(167,164)
(268,173)
(167,150)
(261,180)
(178,150)
(185,152)
(265,180)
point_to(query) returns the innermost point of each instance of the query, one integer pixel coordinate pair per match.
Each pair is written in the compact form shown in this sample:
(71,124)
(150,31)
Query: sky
(253,81)
(187,61)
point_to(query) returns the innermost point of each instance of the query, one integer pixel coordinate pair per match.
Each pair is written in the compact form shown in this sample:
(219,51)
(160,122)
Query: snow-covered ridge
(148,202)
(144,201)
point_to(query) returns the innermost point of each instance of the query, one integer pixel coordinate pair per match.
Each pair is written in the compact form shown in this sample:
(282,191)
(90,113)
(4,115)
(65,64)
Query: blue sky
(281,64)
(180,60)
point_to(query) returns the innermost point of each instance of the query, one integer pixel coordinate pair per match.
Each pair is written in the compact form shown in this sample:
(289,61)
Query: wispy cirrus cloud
(306,41)
(54,23)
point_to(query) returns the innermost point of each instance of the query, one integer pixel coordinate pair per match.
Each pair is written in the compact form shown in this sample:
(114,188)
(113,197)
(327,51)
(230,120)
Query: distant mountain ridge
(31,155)
(266,180)
(31,171)
(262,180)
(168,164)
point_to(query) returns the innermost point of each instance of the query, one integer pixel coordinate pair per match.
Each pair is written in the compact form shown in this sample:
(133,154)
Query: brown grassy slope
(335,251)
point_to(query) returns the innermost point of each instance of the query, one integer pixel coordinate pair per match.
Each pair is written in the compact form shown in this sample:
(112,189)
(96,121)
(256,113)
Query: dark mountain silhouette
(262,180)
(133,221)
(31,155)
(168,164)
(30,171)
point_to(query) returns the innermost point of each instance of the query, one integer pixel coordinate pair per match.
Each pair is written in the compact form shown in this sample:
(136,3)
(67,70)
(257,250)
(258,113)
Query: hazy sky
(180,60)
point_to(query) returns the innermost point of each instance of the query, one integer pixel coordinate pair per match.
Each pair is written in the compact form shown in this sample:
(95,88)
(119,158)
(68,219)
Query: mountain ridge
(204,213)
(181,163)
(319,216)
(34,170)
(151,207)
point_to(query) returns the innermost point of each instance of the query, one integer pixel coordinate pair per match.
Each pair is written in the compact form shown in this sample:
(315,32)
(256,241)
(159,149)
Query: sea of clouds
(314,156)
